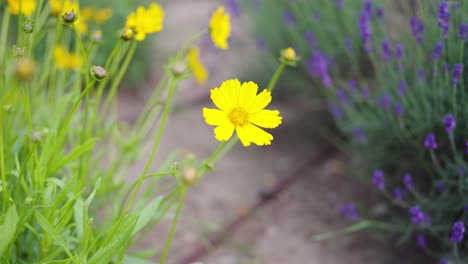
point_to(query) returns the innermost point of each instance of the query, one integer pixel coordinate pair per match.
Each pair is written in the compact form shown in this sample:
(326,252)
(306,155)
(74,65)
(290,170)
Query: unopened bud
(24,69)
(179,68)
(127,34)
(189,176)
(28,28)
(70,17)
(289,56)
(98,73)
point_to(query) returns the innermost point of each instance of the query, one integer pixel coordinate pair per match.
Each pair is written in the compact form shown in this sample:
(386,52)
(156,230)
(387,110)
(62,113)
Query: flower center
(239,116)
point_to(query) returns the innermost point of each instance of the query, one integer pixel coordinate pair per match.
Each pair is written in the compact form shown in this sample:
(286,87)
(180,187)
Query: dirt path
(281,232)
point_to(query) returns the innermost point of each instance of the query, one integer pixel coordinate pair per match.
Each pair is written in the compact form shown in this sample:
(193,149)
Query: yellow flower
(102,15)
(26,7)
(58,7)
(65,60)
(242,110)
(200,73)
(146,21)
(220,28)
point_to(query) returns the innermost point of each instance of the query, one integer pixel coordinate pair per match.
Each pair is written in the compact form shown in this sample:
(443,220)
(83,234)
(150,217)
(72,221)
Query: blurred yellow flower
(65,60)
(242,110)
(220,28)
(102,15)
(146,21)
(58,7)
(26,7)
(200,73)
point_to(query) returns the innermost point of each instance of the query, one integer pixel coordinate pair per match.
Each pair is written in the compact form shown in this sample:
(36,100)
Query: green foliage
(384,125)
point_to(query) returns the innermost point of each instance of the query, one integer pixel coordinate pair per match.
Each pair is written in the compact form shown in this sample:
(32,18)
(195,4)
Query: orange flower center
(239,116)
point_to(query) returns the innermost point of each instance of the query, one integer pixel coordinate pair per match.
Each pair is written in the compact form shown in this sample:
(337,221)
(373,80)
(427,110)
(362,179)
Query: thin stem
(276,75)
(4,33)
(156,142)
(2,164)
(173,227)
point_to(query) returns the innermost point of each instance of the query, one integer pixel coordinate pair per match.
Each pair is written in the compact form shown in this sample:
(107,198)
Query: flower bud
(28,28)
(98,73)
(178,69)
(289,56)
(24,69)
(17,52)
(70,17)
(189,176)
(127,34)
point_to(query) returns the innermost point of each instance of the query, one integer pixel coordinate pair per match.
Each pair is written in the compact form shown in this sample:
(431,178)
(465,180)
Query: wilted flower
(430,141)
(378,180)
(458,230)
(449,123)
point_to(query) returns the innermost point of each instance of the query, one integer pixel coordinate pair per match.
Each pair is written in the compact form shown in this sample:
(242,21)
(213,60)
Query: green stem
(276,75)
(173,227)
(2,164)
(156,142)
(4,33)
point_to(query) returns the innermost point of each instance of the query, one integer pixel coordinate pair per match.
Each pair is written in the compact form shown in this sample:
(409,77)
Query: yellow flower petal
(220,28)
(252,134)
(266,118)
(224,132)
(247,94)
(214,117)
(231,90)
(200,73)
(260,102)
(146,21)
(26,7)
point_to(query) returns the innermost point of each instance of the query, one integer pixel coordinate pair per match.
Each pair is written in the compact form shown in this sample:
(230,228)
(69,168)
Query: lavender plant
(393,75)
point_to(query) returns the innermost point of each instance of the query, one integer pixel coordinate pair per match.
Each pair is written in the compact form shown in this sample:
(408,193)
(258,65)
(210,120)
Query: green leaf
(49,230)
(359,226)
(8,225)
(147,214)
(135,260)
(75,153)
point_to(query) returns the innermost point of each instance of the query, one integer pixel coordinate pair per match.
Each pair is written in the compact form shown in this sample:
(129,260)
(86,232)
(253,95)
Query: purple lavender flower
(466,147)
(399,50)
(398,109)
(421,240)
(349,211)
(457,72)
(336,111)
(352,86)
(342,96)
(458,230)
(318,66)
(417,28)
(386,50)
(339,4)
(449,123)
(233,7)
(365,30)
(380,13)
(437,52)
(446,67)
(408,182)
(402,88)
(379,180)
(288,18)
(399,193)
(430,141)
(310,37)
(367,9)
(418,216)
(421,75)
(385,101)
(359,134)
(365,92)
(348,44)
(440,187)
(443,17)
(463,32)
(461,171)
(443,261)
(316,15)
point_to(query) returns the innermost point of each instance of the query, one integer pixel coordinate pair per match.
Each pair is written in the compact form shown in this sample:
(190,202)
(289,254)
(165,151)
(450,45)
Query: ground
(281,231)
